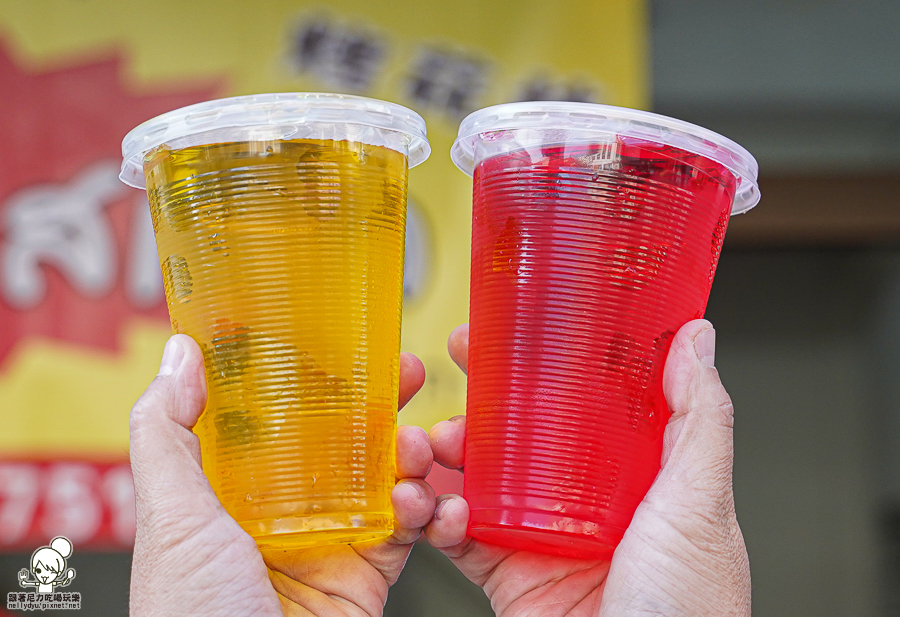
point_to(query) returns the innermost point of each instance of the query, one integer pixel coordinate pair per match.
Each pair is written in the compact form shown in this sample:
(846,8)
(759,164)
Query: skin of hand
(683,553)
(192,558)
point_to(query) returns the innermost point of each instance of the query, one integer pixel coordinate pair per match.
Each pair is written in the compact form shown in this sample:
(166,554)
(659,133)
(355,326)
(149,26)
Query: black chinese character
(76,597)
(311,44)
(340,56)
(447,81)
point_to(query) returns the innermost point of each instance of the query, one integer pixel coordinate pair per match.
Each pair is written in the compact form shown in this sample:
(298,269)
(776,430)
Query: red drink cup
(596,232)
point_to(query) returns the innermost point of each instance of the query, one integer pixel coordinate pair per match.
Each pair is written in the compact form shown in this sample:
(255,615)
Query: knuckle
(725,408)
(143,409)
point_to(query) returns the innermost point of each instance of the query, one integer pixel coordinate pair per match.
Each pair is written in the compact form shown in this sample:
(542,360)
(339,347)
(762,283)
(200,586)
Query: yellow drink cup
(280,222)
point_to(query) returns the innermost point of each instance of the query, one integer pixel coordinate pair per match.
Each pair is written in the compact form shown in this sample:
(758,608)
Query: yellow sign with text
(76,74)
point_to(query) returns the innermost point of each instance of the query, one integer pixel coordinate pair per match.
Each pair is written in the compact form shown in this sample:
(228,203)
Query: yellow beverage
(283,259)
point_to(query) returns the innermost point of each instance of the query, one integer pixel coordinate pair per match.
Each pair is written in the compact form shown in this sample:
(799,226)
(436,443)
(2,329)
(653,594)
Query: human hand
(683,553)
(192,558)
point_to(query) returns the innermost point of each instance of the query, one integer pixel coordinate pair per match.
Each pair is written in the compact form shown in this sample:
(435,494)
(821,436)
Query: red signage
(90,503)
(77,255)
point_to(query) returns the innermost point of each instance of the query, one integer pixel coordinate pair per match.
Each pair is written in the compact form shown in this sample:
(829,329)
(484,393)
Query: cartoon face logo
(48,565)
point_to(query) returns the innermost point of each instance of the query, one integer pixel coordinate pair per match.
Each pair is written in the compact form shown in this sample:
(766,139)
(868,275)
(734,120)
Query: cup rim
(276,109)
(593,118)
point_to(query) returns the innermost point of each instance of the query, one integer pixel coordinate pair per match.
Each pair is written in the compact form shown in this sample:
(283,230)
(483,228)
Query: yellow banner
(75,73)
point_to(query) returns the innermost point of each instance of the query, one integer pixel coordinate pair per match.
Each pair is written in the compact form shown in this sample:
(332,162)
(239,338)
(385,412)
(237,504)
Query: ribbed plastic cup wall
(596,233)
(280,223)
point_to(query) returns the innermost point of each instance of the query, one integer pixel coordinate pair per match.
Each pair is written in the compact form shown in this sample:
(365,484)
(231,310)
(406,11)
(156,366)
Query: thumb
(165,453)
(700,431)
(687,521)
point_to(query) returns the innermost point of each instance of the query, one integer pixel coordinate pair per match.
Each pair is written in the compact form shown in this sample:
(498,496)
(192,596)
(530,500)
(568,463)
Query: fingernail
(413,490)
(173,354)
(705,347)
(439,511)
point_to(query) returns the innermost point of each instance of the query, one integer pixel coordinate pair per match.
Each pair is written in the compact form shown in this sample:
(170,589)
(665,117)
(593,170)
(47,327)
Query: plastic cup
(280,222)
(596,232)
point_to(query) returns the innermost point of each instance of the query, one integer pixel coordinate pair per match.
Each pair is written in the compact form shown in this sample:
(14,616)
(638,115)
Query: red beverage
(586,259)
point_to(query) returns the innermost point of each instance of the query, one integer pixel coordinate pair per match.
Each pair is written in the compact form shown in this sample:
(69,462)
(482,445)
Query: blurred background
(806,300)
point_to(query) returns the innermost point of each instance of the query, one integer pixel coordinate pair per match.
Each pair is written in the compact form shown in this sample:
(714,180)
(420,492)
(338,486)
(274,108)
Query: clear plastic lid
(288,115)
(533,123)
